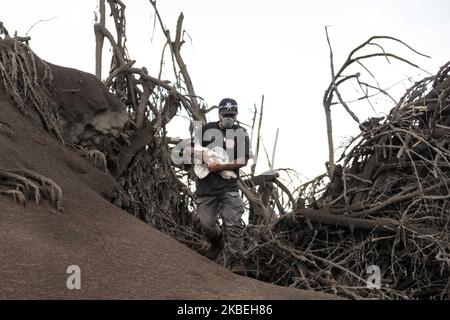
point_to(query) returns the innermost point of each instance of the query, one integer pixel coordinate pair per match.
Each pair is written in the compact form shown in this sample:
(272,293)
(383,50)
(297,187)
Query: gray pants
(231,206)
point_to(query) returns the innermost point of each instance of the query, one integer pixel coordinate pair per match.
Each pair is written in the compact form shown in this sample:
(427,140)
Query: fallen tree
(387,204)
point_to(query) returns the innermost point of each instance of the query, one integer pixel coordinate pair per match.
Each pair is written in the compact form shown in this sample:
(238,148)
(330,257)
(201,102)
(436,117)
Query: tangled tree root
(30,185)
(158,197)
(26,79)
(96,157)
(387,205)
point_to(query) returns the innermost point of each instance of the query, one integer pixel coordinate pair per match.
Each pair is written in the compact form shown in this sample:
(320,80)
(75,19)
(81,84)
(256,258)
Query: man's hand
(207,157)
(215,167)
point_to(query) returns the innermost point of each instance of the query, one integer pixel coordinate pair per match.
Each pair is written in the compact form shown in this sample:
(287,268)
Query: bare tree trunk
(330,166)
(176,50)
(274,149)
(327,106)
(255,159)
(140,112)
(99,38)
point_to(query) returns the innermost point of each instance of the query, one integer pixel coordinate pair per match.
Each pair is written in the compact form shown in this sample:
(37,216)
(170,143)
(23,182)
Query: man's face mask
(228,121)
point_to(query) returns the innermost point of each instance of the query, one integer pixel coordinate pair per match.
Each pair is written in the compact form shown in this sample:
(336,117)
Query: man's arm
(235,165)
(201,154)
(240,162)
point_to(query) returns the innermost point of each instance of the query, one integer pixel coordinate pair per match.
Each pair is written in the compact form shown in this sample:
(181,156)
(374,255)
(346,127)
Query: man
(218,192)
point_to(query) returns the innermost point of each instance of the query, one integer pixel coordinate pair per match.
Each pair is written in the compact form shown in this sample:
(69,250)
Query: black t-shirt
(236,143)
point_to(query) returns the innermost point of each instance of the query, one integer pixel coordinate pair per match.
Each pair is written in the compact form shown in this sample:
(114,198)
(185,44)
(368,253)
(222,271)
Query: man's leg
(232,211)
(207,213)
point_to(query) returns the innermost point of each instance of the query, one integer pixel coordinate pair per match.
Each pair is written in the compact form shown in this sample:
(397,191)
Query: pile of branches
(26,79)
(158,196)
(158,192)
(386,207)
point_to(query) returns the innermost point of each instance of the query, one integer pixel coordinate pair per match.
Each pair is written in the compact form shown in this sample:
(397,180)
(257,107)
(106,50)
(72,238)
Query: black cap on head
(228,106)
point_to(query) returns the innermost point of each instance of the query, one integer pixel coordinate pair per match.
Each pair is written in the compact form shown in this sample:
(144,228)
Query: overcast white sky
(242,49)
